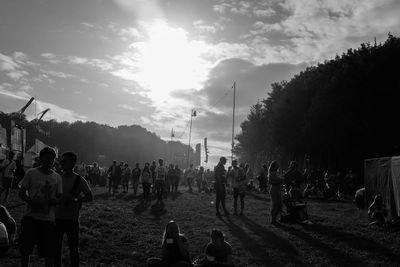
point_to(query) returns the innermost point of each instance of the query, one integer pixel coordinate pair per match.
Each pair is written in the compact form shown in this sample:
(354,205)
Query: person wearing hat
(7,169)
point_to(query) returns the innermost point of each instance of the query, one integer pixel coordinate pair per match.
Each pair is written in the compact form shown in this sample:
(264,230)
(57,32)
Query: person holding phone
(175,249)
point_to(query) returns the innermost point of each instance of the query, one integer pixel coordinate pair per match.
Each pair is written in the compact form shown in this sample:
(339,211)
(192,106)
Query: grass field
(122,231)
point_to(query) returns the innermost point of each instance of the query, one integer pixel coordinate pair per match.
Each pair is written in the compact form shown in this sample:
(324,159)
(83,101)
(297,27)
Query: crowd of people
(55,189)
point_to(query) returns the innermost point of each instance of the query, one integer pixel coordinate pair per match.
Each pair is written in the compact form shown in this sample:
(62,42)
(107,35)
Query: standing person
(275,191)
(136,172)
(175,249)
(189,173)
(95,174)
(82,171)
(126,177)
(239,185)
(75,191)
(118,176)
(177,177)
(112,170)
(153,168)
(170,178)
(7,169)
(220,181)
(160,180)
(146,182)
(293,178)
(41,189)
(199,179)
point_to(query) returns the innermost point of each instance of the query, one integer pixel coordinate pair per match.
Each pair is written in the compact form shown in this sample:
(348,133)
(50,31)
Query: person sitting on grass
(218,252)
(175,249)
(376,211)
(8,230)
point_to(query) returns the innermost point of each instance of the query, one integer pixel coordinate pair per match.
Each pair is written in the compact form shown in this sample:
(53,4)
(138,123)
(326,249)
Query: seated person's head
(217,237)
(171,230)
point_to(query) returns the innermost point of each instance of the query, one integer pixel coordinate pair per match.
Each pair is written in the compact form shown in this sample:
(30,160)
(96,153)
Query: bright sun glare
(168,61)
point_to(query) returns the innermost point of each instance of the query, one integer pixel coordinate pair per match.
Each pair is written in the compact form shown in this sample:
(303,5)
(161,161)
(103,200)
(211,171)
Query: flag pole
(233,119)
(190,135)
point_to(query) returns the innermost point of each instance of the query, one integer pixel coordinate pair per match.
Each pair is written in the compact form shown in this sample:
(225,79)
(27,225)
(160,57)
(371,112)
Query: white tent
(382,176)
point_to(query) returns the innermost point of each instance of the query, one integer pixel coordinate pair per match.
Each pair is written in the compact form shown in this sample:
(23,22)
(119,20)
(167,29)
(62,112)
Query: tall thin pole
(190,135)
(233,118)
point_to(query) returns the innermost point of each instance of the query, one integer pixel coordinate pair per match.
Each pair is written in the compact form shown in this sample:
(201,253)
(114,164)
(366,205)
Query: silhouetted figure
(189,174)
(41,189)
(293,178)
(238,184)
(275,191)
(146,182)
(7,169)
(170,178)
(126,177)
(177,177)
(175,249)
(219,185)
(136,172)
(75,191)
(112,173)
(160,180)
(218,251)
(153,168)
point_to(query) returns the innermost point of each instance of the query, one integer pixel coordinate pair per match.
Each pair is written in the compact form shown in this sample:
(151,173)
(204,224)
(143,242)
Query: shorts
(37,232)
(6,182)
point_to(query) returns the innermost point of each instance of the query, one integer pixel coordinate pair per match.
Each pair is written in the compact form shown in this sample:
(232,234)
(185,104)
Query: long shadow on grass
(275,240)
(158,210)
(354,241)
(175,195)
(140,207)
(336,257)
(257,250)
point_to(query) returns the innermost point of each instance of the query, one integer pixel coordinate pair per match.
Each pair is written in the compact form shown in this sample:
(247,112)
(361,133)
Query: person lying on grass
(218,251)
(175,249)
(377,211)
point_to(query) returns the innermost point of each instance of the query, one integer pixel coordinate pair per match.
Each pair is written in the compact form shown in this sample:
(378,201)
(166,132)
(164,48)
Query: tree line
(333,115)
(90,140)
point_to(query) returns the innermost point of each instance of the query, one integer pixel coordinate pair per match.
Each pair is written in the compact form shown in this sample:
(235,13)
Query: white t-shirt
(43,187)
(161,172)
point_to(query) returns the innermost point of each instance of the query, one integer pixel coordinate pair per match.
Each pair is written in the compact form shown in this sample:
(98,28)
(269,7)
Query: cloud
(57,74)
(52,58)
(7,63)
(17,74)
(141,9)
(128,107)
(264,13)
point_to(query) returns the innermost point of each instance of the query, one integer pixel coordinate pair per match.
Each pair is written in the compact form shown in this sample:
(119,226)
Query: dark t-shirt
(174,254)
(220,254)
(220,173)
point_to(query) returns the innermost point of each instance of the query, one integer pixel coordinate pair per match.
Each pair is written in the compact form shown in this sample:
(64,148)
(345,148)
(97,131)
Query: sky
(150,62)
